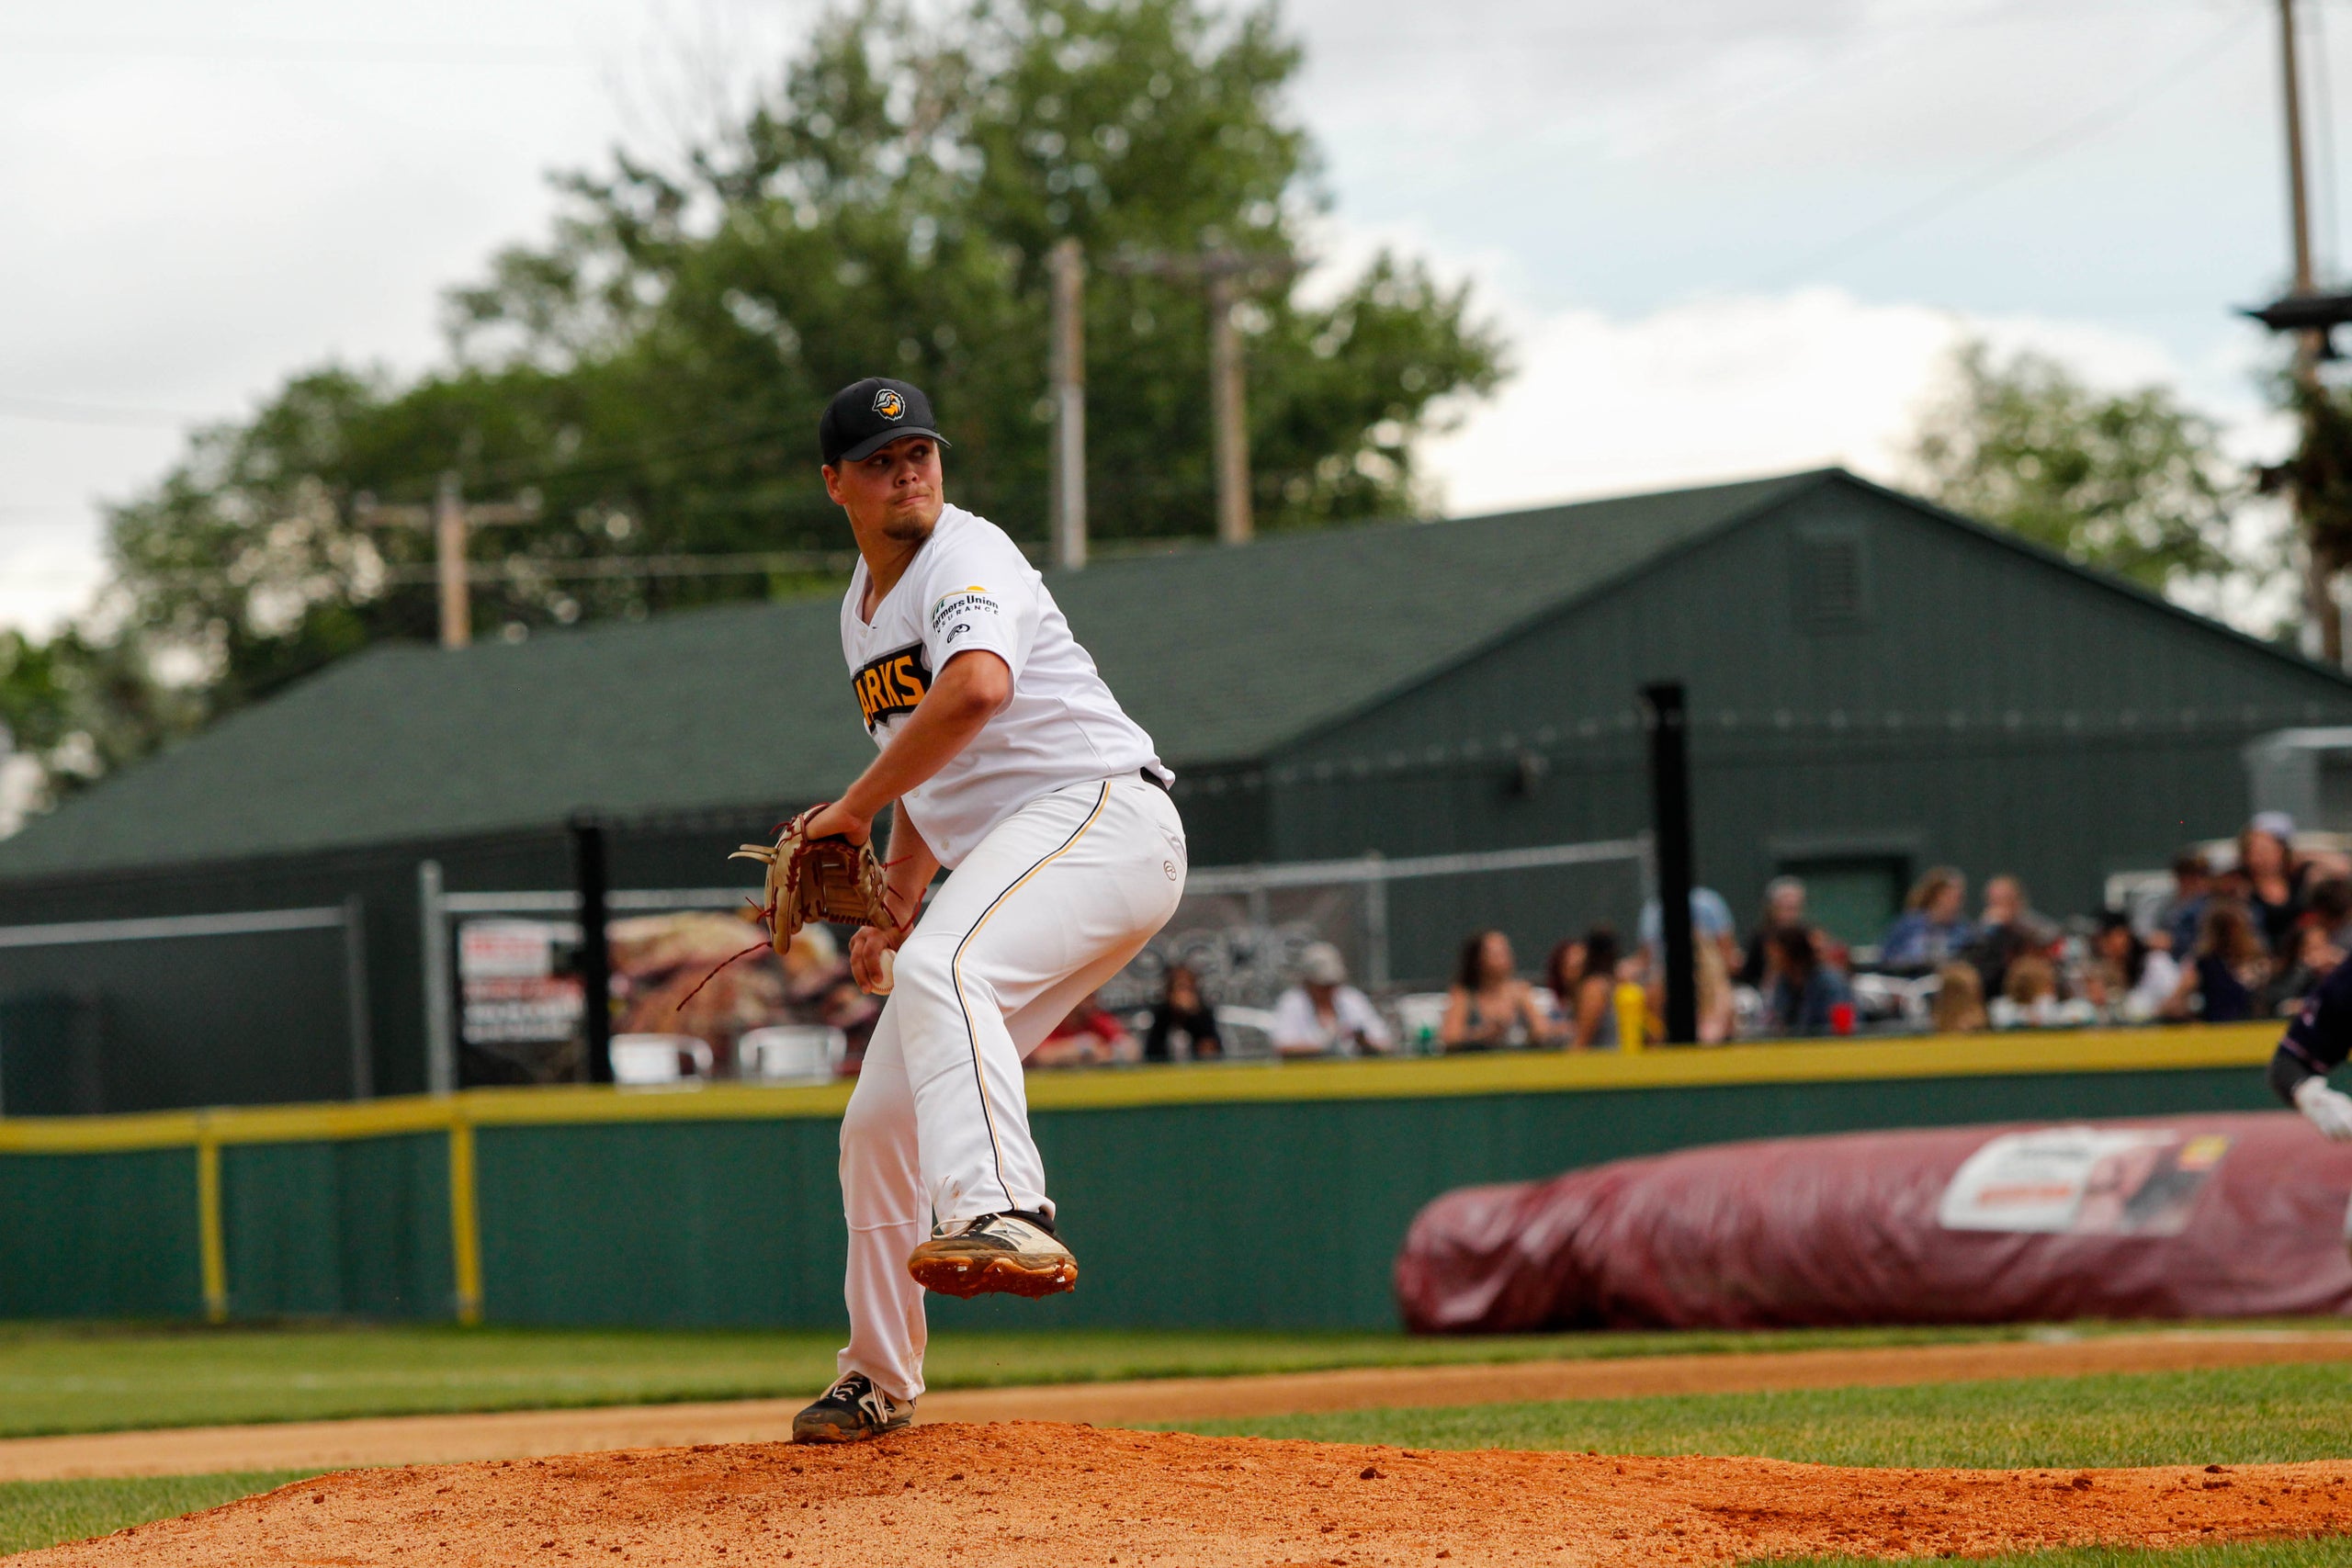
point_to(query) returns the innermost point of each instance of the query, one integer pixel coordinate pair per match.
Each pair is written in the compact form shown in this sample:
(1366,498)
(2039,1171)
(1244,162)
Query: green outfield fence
(1247,1195)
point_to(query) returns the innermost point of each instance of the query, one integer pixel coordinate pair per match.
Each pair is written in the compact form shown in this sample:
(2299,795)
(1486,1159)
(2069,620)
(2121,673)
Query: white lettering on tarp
(2082,1181)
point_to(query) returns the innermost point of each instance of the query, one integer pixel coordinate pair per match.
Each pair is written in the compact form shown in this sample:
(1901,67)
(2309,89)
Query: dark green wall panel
(662,1223)
(99,1235)
(357,1229)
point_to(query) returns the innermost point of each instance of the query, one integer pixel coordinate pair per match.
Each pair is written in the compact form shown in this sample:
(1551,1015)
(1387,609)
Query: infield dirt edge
(1052,1496)
(528,1433)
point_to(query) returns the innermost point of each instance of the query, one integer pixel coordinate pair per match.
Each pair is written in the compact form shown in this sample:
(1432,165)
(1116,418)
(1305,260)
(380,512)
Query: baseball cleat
(852,1411)
(1014,1252)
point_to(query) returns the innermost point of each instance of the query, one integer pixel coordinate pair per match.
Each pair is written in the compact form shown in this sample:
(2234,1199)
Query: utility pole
(2320,568)
(1225,275)
(1067,490)
(1234,524)
(451,518)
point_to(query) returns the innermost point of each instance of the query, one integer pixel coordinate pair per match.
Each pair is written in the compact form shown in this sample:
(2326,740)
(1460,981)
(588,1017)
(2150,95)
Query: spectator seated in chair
(2127,980)
(1488,1004)
(1323,1015)
(2222,984)
(1183,1027)
(2277,884)
(1563,971)
(1709,917)
(2331,910)
(1805,987)
(2029,995)
(2177,919)
(1088,1037)
(2312,958)
(2009,929)
(1593,1018)
(1711,982)
(1783,907)
(1959,1007)
(1933,926)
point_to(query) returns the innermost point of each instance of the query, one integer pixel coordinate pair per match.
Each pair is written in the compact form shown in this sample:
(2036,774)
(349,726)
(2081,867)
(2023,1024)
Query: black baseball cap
(867,416)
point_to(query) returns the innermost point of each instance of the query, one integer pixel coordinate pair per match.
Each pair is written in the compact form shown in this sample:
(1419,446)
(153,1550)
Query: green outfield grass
(78,1378)
(34,1514)
(2236,1416)
(2329,1553)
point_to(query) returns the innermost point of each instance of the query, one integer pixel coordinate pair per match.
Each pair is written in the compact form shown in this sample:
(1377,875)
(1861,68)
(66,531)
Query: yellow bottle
(1633,1006)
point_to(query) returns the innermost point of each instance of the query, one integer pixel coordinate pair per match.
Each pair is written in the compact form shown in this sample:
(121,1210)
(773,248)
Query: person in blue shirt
(1710,920)
(2192,884)
(1933,926)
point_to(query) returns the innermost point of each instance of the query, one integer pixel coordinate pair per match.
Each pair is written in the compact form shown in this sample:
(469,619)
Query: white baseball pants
(1054,902)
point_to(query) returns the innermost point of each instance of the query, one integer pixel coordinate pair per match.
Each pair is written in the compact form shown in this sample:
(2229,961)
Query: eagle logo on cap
(889,404)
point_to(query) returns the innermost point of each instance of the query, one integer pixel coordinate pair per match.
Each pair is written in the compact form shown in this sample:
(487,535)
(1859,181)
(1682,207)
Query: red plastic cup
(1842,1018)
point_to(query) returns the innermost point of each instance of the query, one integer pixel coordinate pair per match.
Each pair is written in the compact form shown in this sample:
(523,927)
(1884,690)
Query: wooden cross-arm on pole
(450,517)
(1225,275)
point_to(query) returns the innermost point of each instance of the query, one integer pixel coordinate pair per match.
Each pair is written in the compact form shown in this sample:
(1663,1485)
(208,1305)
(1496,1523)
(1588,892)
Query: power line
(290,51)
(558,471)
(528,570)
(1681,33)
(61,411)
(1842,58)
(2101,119)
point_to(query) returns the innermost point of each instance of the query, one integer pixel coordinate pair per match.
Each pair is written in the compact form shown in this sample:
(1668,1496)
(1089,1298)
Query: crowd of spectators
(2244,932)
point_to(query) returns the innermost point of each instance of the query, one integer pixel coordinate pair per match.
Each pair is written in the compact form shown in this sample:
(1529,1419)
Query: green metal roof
(1222,654)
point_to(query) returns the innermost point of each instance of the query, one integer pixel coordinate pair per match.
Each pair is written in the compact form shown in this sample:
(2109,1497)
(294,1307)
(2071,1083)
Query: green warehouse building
(1874,685)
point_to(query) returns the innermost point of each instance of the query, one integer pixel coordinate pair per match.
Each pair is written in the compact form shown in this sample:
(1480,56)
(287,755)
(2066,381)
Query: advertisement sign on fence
(509,982)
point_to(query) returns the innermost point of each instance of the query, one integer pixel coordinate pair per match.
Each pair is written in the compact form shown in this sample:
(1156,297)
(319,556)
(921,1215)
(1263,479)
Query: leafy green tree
(654,367)
(2317,478)
(2133,483)
(79,705)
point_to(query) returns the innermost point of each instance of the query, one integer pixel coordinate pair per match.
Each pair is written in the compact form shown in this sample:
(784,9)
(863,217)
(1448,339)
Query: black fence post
(595,956)
(1662,714)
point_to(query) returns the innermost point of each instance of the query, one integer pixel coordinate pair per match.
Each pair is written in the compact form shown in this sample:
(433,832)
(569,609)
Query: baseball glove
(818,879)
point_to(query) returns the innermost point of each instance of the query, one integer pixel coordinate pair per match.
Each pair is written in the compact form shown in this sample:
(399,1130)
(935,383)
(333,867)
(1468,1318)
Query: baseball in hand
(884,962)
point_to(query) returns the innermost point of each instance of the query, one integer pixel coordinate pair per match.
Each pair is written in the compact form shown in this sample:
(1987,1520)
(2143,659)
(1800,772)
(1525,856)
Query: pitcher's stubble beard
(909,529)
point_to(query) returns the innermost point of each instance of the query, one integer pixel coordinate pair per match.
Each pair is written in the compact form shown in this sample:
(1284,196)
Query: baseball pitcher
(1010,763)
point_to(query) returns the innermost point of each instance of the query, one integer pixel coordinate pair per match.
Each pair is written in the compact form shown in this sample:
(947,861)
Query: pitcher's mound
(1044,1496)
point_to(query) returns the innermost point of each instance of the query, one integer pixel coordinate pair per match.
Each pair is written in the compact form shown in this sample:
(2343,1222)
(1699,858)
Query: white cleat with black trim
(852,1411)
(1014,1252)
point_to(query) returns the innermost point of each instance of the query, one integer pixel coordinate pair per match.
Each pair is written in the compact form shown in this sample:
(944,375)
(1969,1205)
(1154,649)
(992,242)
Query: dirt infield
(1045,1496)
(526,1434)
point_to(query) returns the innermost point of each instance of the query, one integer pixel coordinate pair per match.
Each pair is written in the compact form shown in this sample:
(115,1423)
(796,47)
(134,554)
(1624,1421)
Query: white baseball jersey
(970,587)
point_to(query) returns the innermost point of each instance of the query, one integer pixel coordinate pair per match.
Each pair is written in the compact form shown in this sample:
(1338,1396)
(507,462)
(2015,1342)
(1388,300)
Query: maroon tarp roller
(2178,1217)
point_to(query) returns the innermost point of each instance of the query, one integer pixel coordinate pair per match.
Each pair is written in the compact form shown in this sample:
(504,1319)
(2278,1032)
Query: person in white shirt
(1009,762)
(1323,1015)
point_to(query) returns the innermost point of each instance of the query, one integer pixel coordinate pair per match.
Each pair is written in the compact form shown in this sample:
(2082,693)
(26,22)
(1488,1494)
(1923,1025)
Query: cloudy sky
(1726,236)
